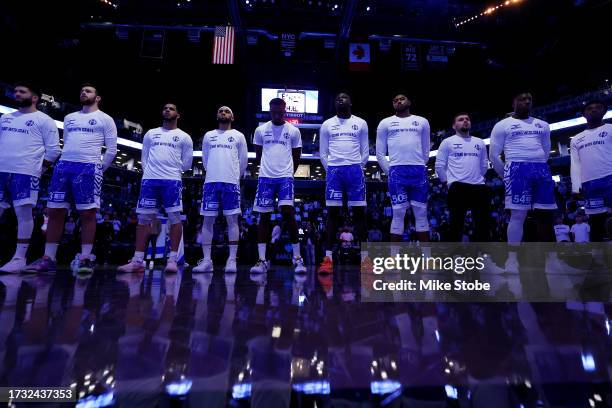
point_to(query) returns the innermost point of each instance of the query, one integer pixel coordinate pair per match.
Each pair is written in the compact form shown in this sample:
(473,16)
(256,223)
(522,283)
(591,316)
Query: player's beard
(24,103)
(343,110)
(402,109)
(88,101)
(465,129)
(223,120)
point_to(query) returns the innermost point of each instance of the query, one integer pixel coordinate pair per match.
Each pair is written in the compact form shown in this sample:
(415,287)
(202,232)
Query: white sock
(262,251)
(233,248)
(51,250)
(207,234)
(86,250)
(139,256)
(173,255)
(329,254)
(206,251)
(21,250)
(296,250)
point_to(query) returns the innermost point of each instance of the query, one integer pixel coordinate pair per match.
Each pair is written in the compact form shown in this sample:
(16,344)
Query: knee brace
(25,221)
(145,219)
(421,223)
(397,222)
(233,232)
(174,218)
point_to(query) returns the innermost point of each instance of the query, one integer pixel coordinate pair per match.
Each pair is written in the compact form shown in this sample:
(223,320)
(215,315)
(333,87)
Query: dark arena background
(276,335)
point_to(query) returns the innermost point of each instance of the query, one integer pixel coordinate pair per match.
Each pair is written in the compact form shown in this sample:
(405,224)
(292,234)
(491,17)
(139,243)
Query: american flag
(223,49)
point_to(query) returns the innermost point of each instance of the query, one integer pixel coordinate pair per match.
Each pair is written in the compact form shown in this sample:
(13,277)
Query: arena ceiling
(556,48)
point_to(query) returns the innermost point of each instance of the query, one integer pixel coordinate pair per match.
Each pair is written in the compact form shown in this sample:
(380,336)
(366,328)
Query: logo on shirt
(539,125)
(355,127)
(70,123)
(335,127)
(514,127)
(603,134)
(231,139)
(393,124)
(176,138)
(415,123)
(156,136)
(30,123)
(477,147)
(457,146)
(93,122)
(286,135)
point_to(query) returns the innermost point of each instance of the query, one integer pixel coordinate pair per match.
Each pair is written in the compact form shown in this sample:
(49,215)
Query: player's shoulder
(292,127)
(183,134)
(506,121)
(385,121)
(328,122)
(105,116)
(574,139)
(43,117)
(540,122)
(72,115)
(359,119)
(238,134)
(447,141)
(478,140)
(261,128)
(152,131)
(504,124)
(210,133)
(419,118)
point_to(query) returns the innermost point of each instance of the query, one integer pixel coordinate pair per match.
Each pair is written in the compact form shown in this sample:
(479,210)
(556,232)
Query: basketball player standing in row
(344,151)
(167,151)
(34,136)
(591,166)
(278,147)
(77,178)
(525,142)
(462,163)
(225,159)
(407,139)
